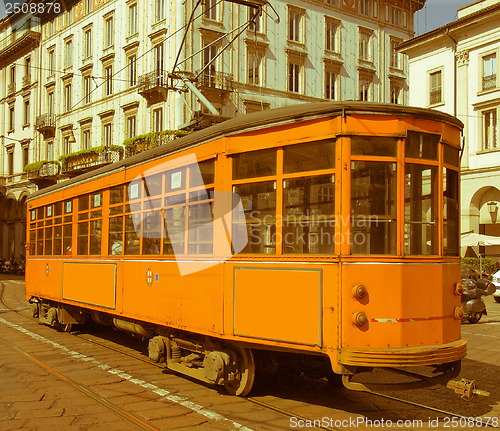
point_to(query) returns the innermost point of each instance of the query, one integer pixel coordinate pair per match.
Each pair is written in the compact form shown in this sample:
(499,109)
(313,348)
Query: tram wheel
(244,374)
(66,327)
(474,317)
(497,299)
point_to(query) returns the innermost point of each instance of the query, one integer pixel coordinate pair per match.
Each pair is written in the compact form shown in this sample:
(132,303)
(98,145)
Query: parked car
(496,282)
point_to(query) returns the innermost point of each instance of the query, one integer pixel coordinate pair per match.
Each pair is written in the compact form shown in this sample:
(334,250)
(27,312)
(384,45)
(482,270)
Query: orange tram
(325,235)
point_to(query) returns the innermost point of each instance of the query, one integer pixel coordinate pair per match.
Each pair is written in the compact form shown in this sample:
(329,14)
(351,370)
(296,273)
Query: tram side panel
(406,305)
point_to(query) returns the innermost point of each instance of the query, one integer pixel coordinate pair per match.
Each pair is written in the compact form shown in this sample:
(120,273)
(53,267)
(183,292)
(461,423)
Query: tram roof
(268,118)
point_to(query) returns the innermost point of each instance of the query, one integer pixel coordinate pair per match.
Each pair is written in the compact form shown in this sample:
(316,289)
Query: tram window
(39,214)
(175,180)
(153,185)
(175,199)
(373,208)
(116,195)
(175,230)
(116,210)
(115,243)
(374,146)
(95,200)
(33,242)
(33,215)
(150,204)
(67,239)
(450,212)
(422,145)
(39,242)
(83,203)
(48,222)
(58,209)
(421,206)
(200,231)
(48,211)
(309,215)
(151,232)
(48,241)
(83,238)
(132,239)
(311,156)
(254,164)
(259,204)
(95,237)
(206,171)
(57,240)
(68,207)
(451,156)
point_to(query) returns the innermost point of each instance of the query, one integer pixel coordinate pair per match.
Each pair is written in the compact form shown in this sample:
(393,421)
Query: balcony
(11,88)
(46,124)
(153,86)
(82,161)
(141,143)
(26,81)
(215,80)
(21,38)
(44,173)
(489,82)
(435,97)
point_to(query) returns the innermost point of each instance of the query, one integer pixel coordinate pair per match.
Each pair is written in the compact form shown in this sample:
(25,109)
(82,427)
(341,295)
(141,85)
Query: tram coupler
(466,388)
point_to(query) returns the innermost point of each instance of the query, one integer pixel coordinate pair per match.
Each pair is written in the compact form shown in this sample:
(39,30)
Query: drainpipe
(447,33)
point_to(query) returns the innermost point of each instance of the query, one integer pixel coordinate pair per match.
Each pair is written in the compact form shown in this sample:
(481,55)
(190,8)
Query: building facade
(106,71)
(455,69)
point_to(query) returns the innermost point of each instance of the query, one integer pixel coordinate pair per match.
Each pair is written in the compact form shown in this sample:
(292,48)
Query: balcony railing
(90,159)
(156,81)
(11,88)
(20,38)
(216,80)
(141,143)
(42,169)
(489,82)
(45,123)
(26,80)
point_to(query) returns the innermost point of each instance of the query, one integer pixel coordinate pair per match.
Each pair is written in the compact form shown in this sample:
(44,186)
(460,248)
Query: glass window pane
(132,239)
(83,203)
(450,212)
(32,243)
(202,175)
(116,195)
(67,239)
(374,146)
(259,204)
(57,240)
(58,208)
(373,208)
(309,215)
(175,180)
(175,230)
(96,200)
(39,242)
(115,243)
(151,232)
(421,205)
(422,145)
(83,238)
(309,157)
(254,164)
(153,185)
(95,237)
(451,156)
(48,241)
(200,231)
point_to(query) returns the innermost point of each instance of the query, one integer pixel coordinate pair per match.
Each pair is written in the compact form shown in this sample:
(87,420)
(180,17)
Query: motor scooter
(472,303)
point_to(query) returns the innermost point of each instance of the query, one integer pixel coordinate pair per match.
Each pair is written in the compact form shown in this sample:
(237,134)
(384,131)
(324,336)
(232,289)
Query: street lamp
(492,207)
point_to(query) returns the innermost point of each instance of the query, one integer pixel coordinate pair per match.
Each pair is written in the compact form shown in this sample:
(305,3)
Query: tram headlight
(459,313)
(359,291)
(359,318)
(459,289)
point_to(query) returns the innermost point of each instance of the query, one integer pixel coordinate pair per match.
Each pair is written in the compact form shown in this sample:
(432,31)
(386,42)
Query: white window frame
(489,141)
(68,53)
(484,69)
(430,73)
(296,24)
(133,19)
(109,30)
